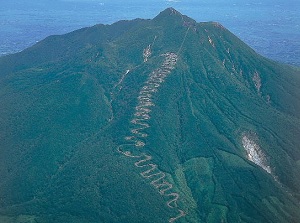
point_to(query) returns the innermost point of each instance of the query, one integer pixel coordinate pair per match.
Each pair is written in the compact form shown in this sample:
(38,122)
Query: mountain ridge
(168,115)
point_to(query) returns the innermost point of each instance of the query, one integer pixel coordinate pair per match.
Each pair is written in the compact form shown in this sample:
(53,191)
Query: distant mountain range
(162,120)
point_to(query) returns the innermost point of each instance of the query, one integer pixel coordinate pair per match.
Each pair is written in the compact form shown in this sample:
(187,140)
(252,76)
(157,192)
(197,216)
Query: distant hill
(162,120)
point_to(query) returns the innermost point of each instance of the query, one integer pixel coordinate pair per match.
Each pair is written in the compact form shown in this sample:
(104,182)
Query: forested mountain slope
(162,120)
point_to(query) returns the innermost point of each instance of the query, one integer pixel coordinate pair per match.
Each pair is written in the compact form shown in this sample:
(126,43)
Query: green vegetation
(67,106)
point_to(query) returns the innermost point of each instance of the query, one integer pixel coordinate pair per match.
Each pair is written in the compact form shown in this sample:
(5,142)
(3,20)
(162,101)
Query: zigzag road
(136,141)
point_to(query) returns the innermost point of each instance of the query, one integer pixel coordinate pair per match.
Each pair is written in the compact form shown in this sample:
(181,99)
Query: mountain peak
(171,11)
(167,13)
(174,15)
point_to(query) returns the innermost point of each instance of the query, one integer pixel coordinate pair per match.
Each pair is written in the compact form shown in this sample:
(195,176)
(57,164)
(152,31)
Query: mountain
(161,120)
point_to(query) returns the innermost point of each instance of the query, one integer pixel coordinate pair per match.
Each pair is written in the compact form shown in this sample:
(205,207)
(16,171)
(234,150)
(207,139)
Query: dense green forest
(162,120)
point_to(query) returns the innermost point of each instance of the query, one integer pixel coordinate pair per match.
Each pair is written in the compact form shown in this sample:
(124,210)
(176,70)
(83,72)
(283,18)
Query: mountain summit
(169,12)
(171,15)
(162,120)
